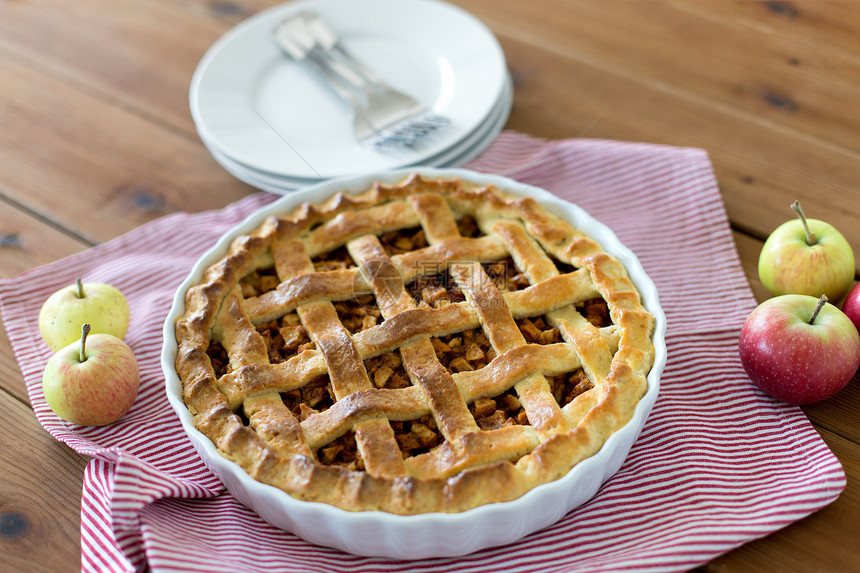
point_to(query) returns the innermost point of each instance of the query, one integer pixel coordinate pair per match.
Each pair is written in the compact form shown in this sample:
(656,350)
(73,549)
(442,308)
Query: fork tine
(408,132)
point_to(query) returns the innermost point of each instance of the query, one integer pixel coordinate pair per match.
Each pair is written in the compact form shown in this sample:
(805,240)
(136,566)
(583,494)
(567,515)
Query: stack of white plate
(270,122)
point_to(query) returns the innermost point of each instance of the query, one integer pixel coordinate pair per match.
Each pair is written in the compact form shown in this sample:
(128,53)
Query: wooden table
(96,138)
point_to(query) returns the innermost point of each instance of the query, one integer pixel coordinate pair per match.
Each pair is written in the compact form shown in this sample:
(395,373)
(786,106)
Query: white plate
(263,110)
(462,153)
(433,534)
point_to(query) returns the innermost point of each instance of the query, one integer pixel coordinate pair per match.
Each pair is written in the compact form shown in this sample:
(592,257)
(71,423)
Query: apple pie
(426,346)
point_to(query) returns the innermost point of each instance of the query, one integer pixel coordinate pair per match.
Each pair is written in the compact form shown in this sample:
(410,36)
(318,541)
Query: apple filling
(506,275)
(403,241)
(336,260)
(259,281)
(341,452)
(384,371)
(435,291)
(468,227)
(499,412)
(285,337)
(359,313)
(459,352)
(564,387)
(440,289)
(471,350)
(563,268)
(595,311)
(414,437)
(387,371)
(463,351)
(219,358)
(314,397)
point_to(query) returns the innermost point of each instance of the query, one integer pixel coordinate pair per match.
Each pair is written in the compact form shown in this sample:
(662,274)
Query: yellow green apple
(100,305)
(93,381)
(806,256)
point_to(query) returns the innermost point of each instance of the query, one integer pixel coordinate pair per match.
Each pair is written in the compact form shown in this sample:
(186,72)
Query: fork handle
(331,43)
(345,72)
(300,46)
(298,49)
(334,80)
(345,90)
(366,73)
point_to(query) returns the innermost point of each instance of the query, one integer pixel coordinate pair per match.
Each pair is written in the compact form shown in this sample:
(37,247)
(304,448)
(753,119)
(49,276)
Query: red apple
(851,305)
(92,382)
(799,349)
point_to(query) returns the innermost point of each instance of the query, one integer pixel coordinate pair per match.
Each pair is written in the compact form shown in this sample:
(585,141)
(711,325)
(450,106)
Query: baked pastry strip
(543,412)
(352,223)
(374,437)
(349,283)
(456,424)
(419,358)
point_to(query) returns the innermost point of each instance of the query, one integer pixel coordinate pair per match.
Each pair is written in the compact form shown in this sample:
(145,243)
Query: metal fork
(300,46)
(395,120)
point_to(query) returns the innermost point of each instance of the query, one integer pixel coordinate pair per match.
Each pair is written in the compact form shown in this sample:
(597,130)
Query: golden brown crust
(242,410)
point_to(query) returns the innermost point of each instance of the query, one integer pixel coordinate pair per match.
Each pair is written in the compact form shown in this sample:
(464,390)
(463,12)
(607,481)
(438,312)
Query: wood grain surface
(96,138)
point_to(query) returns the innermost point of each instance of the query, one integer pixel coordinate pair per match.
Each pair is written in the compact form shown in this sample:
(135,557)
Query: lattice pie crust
(426,346)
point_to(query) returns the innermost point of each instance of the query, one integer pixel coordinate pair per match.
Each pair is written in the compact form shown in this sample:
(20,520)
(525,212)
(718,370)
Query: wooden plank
(779,163)
(139,53)
(98,169)
(760,169)
(810,24)
(749,70)
(769,76)
(824,541)
(11,380)
(40,501)
(27,242)
(133,52)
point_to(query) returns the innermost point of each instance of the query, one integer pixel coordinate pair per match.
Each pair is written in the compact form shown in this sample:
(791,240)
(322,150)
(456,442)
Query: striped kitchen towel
(717,464)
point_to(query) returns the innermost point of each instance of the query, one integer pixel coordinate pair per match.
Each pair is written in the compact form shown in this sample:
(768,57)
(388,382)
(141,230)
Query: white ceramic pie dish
(435,534)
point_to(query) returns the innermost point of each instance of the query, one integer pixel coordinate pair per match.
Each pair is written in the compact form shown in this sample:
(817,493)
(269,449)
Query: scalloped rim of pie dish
(433,533)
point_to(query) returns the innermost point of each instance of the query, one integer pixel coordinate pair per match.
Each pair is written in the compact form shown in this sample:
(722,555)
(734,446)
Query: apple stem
(85,330)
(821,302)
(811,239)
(80,291)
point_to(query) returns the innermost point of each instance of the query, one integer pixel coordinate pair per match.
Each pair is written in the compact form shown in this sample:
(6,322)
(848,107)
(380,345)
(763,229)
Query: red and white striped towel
(717,464)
